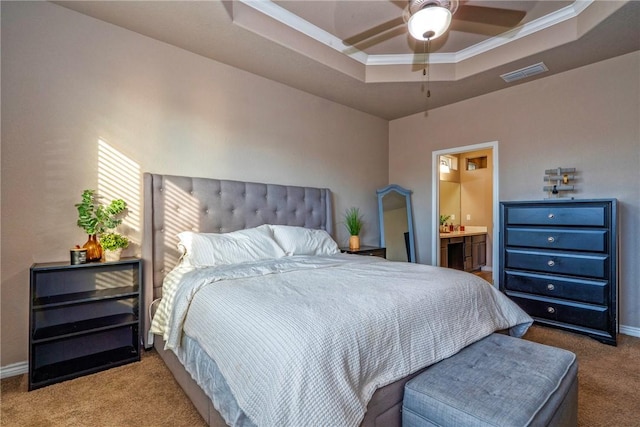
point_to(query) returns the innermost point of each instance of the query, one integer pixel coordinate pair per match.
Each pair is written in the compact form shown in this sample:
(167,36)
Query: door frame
(435,201)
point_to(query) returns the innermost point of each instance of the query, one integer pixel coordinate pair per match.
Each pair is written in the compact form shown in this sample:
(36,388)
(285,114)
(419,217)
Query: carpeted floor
(138,394)
(608,377)
(145,394)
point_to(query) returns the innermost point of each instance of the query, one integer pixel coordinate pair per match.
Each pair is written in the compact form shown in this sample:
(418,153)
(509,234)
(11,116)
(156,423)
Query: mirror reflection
(396,223)
(450,189)
(450,201)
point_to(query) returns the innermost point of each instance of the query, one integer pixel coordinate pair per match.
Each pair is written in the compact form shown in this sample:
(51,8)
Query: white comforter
(306,341)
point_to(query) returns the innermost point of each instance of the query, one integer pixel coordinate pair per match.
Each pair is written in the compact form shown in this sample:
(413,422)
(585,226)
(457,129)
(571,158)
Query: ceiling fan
(430,19)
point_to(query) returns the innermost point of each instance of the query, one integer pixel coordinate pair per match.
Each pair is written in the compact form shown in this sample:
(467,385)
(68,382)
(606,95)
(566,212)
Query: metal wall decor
(559,180)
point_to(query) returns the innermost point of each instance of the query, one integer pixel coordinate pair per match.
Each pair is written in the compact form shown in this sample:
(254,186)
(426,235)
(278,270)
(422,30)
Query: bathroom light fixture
(444,166)
(429,23)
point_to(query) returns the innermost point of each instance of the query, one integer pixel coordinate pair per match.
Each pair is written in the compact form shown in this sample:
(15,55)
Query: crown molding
(269,8)
(280,14)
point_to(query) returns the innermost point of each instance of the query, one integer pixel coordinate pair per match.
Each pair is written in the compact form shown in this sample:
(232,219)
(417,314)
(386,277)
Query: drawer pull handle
(550,287)
(551,216)
(550,263)
(551,239)
(551,310)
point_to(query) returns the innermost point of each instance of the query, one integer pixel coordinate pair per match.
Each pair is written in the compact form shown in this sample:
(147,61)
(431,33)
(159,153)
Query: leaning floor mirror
(396,223)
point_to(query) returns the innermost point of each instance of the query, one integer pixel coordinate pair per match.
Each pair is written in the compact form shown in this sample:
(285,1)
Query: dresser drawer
(590,316)
(564,239)
(480,238)
(574,264)
(583,290)
(551,214)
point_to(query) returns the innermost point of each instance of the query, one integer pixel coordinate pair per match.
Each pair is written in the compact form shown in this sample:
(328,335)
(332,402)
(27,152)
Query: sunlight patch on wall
(119,178)
(181,214)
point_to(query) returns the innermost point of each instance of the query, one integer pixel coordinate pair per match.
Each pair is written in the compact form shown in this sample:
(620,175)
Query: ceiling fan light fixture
(429,23)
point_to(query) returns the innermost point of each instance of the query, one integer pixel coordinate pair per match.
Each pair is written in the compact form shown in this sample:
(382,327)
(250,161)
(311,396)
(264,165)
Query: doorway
(493,228)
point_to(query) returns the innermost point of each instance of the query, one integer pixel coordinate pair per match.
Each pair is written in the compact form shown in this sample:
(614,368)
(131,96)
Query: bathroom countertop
(469,231)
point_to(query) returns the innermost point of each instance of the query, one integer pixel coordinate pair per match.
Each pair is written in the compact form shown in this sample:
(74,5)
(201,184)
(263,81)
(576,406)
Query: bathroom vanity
(464,250)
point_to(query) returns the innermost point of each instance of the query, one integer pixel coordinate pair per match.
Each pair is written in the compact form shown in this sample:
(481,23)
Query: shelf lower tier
(61,300)
(61,371)
(85,326)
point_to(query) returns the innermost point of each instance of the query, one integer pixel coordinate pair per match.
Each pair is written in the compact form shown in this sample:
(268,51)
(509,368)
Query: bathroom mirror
(396,223)
(450,199)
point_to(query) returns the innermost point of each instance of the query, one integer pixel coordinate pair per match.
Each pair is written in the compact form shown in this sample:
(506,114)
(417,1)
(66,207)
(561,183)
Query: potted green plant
(353,222)
(112,245)
(95,219)
(443,222)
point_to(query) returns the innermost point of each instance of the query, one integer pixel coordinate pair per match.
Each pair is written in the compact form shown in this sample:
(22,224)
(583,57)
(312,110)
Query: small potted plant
(353,222)
(112,245)
(95,219)
(443,223)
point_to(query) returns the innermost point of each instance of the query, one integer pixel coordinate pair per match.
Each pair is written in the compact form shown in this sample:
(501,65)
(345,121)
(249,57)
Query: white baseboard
(14,369)
(630,330)
(23,367)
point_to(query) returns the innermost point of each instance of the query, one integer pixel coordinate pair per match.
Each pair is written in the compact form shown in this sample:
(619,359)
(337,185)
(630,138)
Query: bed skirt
(384,409)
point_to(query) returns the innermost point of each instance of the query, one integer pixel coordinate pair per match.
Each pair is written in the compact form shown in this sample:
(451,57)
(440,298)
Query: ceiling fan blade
(493,16)
(379,32)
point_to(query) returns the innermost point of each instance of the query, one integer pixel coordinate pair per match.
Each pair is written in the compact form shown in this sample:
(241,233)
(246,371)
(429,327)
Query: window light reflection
(119,178)
(181,214)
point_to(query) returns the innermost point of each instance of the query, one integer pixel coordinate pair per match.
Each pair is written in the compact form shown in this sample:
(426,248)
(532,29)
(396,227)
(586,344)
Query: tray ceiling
(301,44)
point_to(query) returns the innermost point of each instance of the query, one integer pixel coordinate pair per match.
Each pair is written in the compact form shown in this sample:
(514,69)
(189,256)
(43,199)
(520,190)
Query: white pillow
(212,249)
(304,241)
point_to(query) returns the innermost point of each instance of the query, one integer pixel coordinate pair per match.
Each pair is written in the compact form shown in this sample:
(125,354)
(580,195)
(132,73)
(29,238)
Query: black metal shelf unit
(83,319)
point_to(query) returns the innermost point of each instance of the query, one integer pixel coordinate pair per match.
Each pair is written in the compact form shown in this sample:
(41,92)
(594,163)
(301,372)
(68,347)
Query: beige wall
(587,118)
(69,80)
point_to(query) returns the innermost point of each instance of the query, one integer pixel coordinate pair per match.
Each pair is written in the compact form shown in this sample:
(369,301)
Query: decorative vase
(94,250)
(354,242)
(113,255)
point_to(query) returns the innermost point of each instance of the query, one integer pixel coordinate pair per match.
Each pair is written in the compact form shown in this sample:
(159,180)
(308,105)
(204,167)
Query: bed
(298,334)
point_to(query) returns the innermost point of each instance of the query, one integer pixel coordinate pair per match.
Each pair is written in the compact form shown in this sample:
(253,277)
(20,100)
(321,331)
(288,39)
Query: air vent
(525,72)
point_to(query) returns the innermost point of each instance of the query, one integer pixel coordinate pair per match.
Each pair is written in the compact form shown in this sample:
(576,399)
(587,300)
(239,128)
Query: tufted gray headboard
(176,203)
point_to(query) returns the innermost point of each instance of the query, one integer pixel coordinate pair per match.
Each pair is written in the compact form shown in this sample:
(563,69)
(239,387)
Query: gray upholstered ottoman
(497,381)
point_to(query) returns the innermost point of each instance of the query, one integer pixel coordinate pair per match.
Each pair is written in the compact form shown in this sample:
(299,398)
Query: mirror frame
(407,195)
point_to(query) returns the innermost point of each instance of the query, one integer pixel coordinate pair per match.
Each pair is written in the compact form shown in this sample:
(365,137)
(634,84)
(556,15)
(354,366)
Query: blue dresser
(558,261)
